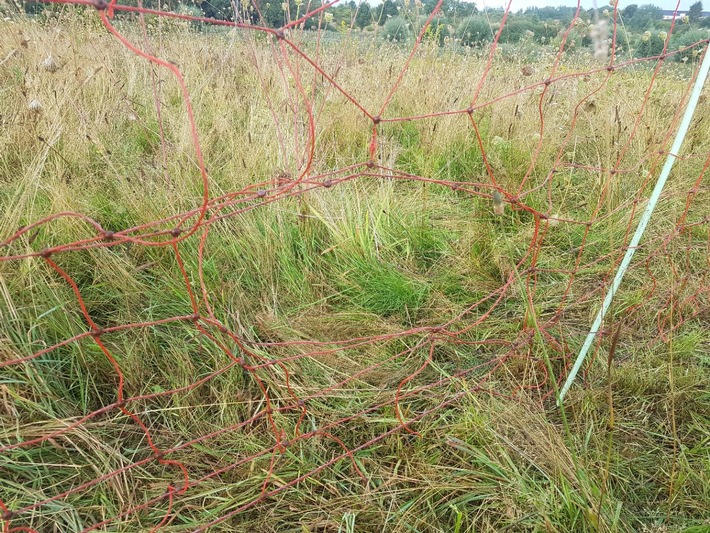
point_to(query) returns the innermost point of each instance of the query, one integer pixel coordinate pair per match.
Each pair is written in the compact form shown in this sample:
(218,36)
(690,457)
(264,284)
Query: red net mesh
(522,150)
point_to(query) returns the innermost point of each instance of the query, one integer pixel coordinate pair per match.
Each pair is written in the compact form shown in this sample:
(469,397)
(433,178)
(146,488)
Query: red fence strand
(283,413)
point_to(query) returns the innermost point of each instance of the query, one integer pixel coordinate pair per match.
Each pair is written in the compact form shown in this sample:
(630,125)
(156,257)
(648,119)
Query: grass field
(466,319)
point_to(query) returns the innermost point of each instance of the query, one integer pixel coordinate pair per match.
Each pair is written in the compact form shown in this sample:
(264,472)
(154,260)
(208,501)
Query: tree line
(641,28)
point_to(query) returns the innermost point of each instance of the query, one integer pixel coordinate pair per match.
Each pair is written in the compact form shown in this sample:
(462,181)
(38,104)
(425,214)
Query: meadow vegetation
(375,255)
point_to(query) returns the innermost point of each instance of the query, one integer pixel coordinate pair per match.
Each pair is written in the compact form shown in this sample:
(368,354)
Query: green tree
(458,9)
(563,14)
(387,10)
(644,18)
(429,5)
(364,15)
(217,9)
(273,14)
(695,12)
(629,11)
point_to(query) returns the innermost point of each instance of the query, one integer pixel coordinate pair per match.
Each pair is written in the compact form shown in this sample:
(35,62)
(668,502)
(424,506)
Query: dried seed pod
(50,65)
(498,204)
(35,106)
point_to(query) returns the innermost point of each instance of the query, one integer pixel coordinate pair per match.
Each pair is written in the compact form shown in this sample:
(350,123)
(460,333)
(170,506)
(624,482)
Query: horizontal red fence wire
(283,414)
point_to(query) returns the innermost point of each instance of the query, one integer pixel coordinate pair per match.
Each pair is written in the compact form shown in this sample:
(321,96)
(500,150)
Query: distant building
(669,14)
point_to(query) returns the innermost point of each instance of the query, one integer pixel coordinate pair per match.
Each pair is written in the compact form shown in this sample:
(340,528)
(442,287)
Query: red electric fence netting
(419,217)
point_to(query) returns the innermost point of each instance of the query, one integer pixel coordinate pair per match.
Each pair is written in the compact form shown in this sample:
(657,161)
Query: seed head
(35,106)
(600,40)
(498,205)
(50,65)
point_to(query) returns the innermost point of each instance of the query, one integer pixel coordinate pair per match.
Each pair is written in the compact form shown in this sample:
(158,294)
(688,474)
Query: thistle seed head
(498,204)
(35,106)
(50,65)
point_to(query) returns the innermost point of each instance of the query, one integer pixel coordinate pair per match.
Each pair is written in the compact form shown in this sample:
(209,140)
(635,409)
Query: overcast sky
(522,4)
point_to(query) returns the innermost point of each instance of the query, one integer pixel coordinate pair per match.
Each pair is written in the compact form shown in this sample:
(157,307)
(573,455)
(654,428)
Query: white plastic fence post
(653,200)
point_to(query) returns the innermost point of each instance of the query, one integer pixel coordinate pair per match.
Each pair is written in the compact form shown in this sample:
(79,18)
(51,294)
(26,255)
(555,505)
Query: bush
(688,38)
(474,31)
(649,44)
(397,29)
(518,28)
(436,32)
